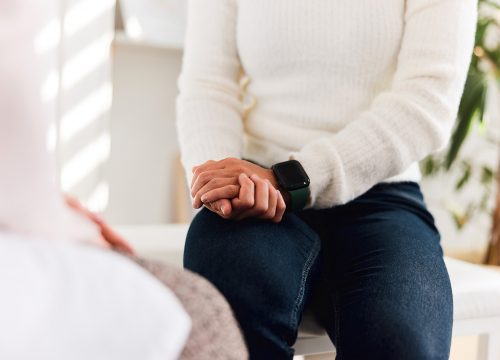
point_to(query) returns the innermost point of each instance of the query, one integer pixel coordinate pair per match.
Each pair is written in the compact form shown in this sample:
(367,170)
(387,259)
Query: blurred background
(111,92)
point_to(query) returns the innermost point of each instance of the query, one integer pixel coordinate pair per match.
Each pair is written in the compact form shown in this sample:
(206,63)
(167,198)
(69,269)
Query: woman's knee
(253,263)
(248,248)
(216,247)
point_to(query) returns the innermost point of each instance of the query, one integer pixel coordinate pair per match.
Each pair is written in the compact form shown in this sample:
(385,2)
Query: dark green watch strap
(299,198)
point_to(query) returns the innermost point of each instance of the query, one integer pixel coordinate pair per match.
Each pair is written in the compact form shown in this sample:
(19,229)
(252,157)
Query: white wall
(143,171)
(145,178)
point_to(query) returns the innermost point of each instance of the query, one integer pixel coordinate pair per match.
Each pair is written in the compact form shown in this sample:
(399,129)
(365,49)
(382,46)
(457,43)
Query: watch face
(291,175)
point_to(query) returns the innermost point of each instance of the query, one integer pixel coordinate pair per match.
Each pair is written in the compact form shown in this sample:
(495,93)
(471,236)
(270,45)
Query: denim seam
(293,323)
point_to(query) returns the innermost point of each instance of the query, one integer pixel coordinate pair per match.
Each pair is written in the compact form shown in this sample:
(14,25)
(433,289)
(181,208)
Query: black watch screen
(291,175)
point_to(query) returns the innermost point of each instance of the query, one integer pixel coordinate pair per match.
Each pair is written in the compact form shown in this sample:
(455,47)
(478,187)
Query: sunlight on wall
(78,88)
(83,114)
(99,199)
(83,163)
(86,61)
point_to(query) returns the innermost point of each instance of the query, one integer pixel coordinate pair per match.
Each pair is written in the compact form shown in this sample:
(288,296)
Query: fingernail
(254,177)
(204,198)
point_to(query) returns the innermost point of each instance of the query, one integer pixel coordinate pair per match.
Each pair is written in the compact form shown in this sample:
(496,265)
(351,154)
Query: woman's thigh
(265,271)
(385,291)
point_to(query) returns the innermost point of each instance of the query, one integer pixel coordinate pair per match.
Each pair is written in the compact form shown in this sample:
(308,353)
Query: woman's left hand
(224,175)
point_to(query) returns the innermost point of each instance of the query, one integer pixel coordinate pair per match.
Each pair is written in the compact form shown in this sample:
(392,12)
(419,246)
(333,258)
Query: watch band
(299,198)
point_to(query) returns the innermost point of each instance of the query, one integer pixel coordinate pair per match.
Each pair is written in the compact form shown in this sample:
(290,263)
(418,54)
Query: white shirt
(357,91)
(62,300)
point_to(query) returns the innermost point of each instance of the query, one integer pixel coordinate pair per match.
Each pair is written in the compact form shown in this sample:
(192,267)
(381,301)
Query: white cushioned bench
(476,292)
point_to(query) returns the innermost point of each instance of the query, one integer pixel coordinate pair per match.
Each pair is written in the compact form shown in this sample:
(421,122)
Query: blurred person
(65,295)
(301,125)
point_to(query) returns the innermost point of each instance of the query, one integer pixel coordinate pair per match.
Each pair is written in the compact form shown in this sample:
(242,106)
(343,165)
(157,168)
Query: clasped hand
(238,189)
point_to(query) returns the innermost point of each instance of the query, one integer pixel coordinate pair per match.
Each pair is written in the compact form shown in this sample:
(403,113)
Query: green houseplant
(484,69)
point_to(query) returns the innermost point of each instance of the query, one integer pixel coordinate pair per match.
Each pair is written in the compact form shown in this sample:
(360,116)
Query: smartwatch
(293,178)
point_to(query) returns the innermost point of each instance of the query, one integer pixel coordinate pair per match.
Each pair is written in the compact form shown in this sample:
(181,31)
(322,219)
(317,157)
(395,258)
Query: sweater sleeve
(410,120)
(209,108)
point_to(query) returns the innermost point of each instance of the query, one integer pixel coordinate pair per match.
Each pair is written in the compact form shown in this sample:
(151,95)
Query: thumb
(223,207)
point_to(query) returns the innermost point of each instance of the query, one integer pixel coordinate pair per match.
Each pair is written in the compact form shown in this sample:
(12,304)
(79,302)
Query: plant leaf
(473,100)
(487,175)
(465,176)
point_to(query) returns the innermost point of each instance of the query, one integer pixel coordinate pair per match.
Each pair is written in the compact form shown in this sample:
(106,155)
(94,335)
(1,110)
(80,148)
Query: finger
(225,208)
(206,176)
(102,242)
(206,163)
(213,184)
(226,192)
(212,208)
(193,169)
(261,195)
(221,164)
(221,207)
(280,208)
(246,198)
(116,241)
(75,204)
(207,166)
(272,200)
(261,198)
(210,164)
(233,163)
(72,202)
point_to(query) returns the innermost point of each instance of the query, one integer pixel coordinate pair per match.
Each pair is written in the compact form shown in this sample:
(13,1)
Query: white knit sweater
(358,91)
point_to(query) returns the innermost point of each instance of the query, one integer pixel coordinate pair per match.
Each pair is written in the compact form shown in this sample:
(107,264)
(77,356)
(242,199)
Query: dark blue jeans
(371,270)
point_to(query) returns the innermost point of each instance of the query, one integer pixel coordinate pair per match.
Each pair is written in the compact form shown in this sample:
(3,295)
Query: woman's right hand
(256,198)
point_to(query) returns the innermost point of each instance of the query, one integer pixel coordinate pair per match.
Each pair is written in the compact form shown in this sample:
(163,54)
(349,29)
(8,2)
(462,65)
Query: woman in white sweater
(345,98)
